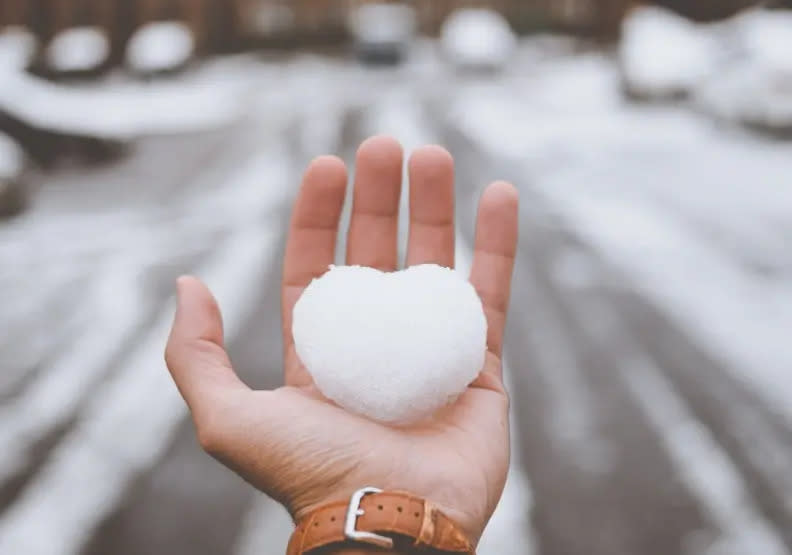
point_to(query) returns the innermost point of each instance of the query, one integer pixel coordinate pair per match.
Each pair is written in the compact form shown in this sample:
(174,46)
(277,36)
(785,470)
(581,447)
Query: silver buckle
(350,526)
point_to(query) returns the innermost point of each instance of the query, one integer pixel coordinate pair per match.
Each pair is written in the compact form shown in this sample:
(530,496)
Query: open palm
(297,446)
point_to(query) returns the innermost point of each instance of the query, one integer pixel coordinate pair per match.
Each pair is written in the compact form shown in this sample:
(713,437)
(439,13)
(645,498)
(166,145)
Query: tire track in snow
(89,471)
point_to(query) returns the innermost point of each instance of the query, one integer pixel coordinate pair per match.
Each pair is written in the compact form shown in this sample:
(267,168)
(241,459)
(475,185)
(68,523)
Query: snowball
(393,347)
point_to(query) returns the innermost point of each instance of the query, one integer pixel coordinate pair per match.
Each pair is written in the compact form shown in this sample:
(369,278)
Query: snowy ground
(646,351)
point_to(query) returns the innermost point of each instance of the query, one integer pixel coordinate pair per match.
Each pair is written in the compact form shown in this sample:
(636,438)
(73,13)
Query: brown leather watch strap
(408,519)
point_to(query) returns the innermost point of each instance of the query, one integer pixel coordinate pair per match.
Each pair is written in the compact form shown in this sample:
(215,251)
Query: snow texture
(664,55)
(78,49)
(160,46)
(394,347)
(478,38)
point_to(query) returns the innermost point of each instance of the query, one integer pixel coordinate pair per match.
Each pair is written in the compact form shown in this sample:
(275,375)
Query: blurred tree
(14,12)
(223,24)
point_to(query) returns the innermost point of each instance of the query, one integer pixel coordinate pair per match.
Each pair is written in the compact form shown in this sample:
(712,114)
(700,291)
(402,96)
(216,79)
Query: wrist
(404,523)
(365,551)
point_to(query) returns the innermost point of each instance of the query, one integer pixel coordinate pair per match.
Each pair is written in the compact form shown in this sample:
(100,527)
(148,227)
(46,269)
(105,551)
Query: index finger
(310,249)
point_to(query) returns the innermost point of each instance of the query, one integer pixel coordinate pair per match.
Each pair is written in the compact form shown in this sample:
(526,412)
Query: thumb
(195,354)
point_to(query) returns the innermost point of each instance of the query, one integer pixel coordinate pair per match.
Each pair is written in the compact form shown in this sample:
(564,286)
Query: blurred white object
(208,99)
(478,39)
(750,95)
(767,38)
(12,157)
(78,49)
(663,55)
(383,32)
(755,90)
(393,347)
(12,164)
(17,48)
(160,46)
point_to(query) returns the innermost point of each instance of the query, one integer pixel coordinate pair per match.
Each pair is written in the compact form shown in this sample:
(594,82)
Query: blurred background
(648,353)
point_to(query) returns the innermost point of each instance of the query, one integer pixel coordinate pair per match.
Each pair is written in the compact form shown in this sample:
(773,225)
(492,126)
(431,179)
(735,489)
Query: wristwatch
(387,520)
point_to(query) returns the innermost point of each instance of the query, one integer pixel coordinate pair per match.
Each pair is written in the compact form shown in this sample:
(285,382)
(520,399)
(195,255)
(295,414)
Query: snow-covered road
(647,351)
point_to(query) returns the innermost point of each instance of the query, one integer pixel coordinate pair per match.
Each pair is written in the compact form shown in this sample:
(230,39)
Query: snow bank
(210,98)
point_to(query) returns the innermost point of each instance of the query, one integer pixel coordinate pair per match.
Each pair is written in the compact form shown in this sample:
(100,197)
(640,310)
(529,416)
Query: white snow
(696,218)
(394,347)
(80,482)
(126,110)
(12,157)
(63,507)
(78,49)
(748,93)
(756,88)
(17,48)
(766,36)
(704,467)
(478,38)
(160,46)
(663,54)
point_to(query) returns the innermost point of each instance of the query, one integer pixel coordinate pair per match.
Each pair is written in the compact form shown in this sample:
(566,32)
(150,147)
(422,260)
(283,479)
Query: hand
(294,444)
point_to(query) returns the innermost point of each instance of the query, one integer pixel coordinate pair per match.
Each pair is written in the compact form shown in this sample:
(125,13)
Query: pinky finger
(493,257)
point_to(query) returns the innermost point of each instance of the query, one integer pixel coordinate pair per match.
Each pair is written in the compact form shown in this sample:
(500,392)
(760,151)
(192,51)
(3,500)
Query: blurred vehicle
(663,56)
(160,47)
(18,47)
(13,195)
(478,39)
(382,32)
(77,52)
(755,89)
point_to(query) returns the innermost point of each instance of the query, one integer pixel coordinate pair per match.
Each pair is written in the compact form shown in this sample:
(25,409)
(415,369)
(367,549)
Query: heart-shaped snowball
(393,347)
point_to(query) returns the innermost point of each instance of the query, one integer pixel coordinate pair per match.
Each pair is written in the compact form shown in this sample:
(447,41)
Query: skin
(295,445)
